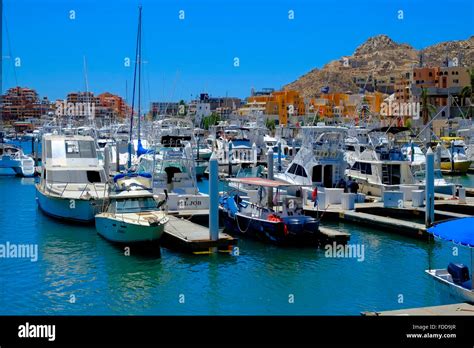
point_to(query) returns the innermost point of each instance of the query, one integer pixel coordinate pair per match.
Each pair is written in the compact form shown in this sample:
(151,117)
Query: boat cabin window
(350,148)
(300,171)
(364,168)
(135,205)
(93,176)
(292,169)
(70,149)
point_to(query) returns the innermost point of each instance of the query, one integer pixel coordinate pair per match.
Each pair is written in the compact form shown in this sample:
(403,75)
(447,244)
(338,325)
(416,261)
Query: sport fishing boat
(278,221)
(131,214)
(12,157)
(73,184)
(174,178)
(455,280)
(382,166)
(319,162)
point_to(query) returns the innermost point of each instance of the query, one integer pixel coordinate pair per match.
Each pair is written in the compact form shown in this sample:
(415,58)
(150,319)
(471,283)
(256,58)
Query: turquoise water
(75,261)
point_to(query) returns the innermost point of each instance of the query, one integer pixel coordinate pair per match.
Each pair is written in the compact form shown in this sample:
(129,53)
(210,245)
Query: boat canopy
(459,231)
(262,182)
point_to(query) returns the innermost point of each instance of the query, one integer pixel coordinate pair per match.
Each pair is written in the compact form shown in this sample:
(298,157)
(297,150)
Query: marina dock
(451,309)
(329,235)
(407,220)
(184,235)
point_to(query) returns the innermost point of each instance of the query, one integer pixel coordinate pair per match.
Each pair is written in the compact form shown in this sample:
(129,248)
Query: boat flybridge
(455,280)
(174,179)
(72,184)
(235,147)
(177,132)
(12,157)
(319,162)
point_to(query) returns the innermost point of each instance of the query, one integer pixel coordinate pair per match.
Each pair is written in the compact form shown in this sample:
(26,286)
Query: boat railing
(49,186)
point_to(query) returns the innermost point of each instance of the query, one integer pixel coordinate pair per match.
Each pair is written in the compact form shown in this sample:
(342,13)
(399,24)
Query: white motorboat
(455,280)
(72,184)
(12,157)
(131,214)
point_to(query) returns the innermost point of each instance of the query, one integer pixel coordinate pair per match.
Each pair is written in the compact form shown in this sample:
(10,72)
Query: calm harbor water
(74,263)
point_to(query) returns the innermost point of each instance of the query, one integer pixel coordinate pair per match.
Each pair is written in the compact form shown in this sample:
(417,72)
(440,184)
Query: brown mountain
(382,58)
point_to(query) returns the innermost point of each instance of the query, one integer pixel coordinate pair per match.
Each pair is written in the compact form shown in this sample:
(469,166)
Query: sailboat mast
(134,85)
(139,61)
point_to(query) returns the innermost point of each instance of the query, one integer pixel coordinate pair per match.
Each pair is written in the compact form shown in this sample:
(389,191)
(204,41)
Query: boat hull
(118,231)
(80,210)
(449,290)
(280,233)
(460,167)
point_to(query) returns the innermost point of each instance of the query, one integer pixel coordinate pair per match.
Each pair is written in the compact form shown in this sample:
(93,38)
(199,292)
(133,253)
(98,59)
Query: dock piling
(279,157)
(230,158)
(429,186)
(117,157)
(214,199)
(107,160)
(254,154)
(270,176)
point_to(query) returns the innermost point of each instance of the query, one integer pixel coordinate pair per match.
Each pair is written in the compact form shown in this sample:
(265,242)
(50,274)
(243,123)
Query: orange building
(114,102)
(285,104)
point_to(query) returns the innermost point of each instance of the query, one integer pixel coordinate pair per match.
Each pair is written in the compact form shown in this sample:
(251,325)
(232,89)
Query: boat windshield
(135,205)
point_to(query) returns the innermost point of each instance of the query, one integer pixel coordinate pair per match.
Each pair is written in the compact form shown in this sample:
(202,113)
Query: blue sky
(185,57)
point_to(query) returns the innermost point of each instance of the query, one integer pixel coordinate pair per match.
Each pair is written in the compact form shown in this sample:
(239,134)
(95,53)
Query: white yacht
(174,179)
(12,157)
(73,184)
(131,214)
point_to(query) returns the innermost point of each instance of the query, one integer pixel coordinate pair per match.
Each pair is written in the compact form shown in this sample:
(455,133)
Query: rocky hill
(381,58)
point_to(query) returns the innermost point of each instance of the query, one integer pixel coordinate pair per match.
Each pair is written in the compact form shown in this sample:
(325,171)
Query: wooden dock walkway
(184,235)
(451,309)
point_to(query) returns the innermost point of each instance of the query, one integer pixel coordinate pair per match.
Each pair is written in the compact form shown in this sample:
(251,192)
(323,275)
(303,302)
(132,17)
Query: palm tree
(426,108)
(467,92)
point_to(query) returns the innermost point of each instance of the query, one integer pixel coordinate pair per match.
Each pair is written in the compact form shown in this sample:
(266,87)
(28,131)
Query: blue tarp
(459,231)
(131,175)
(140,149)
